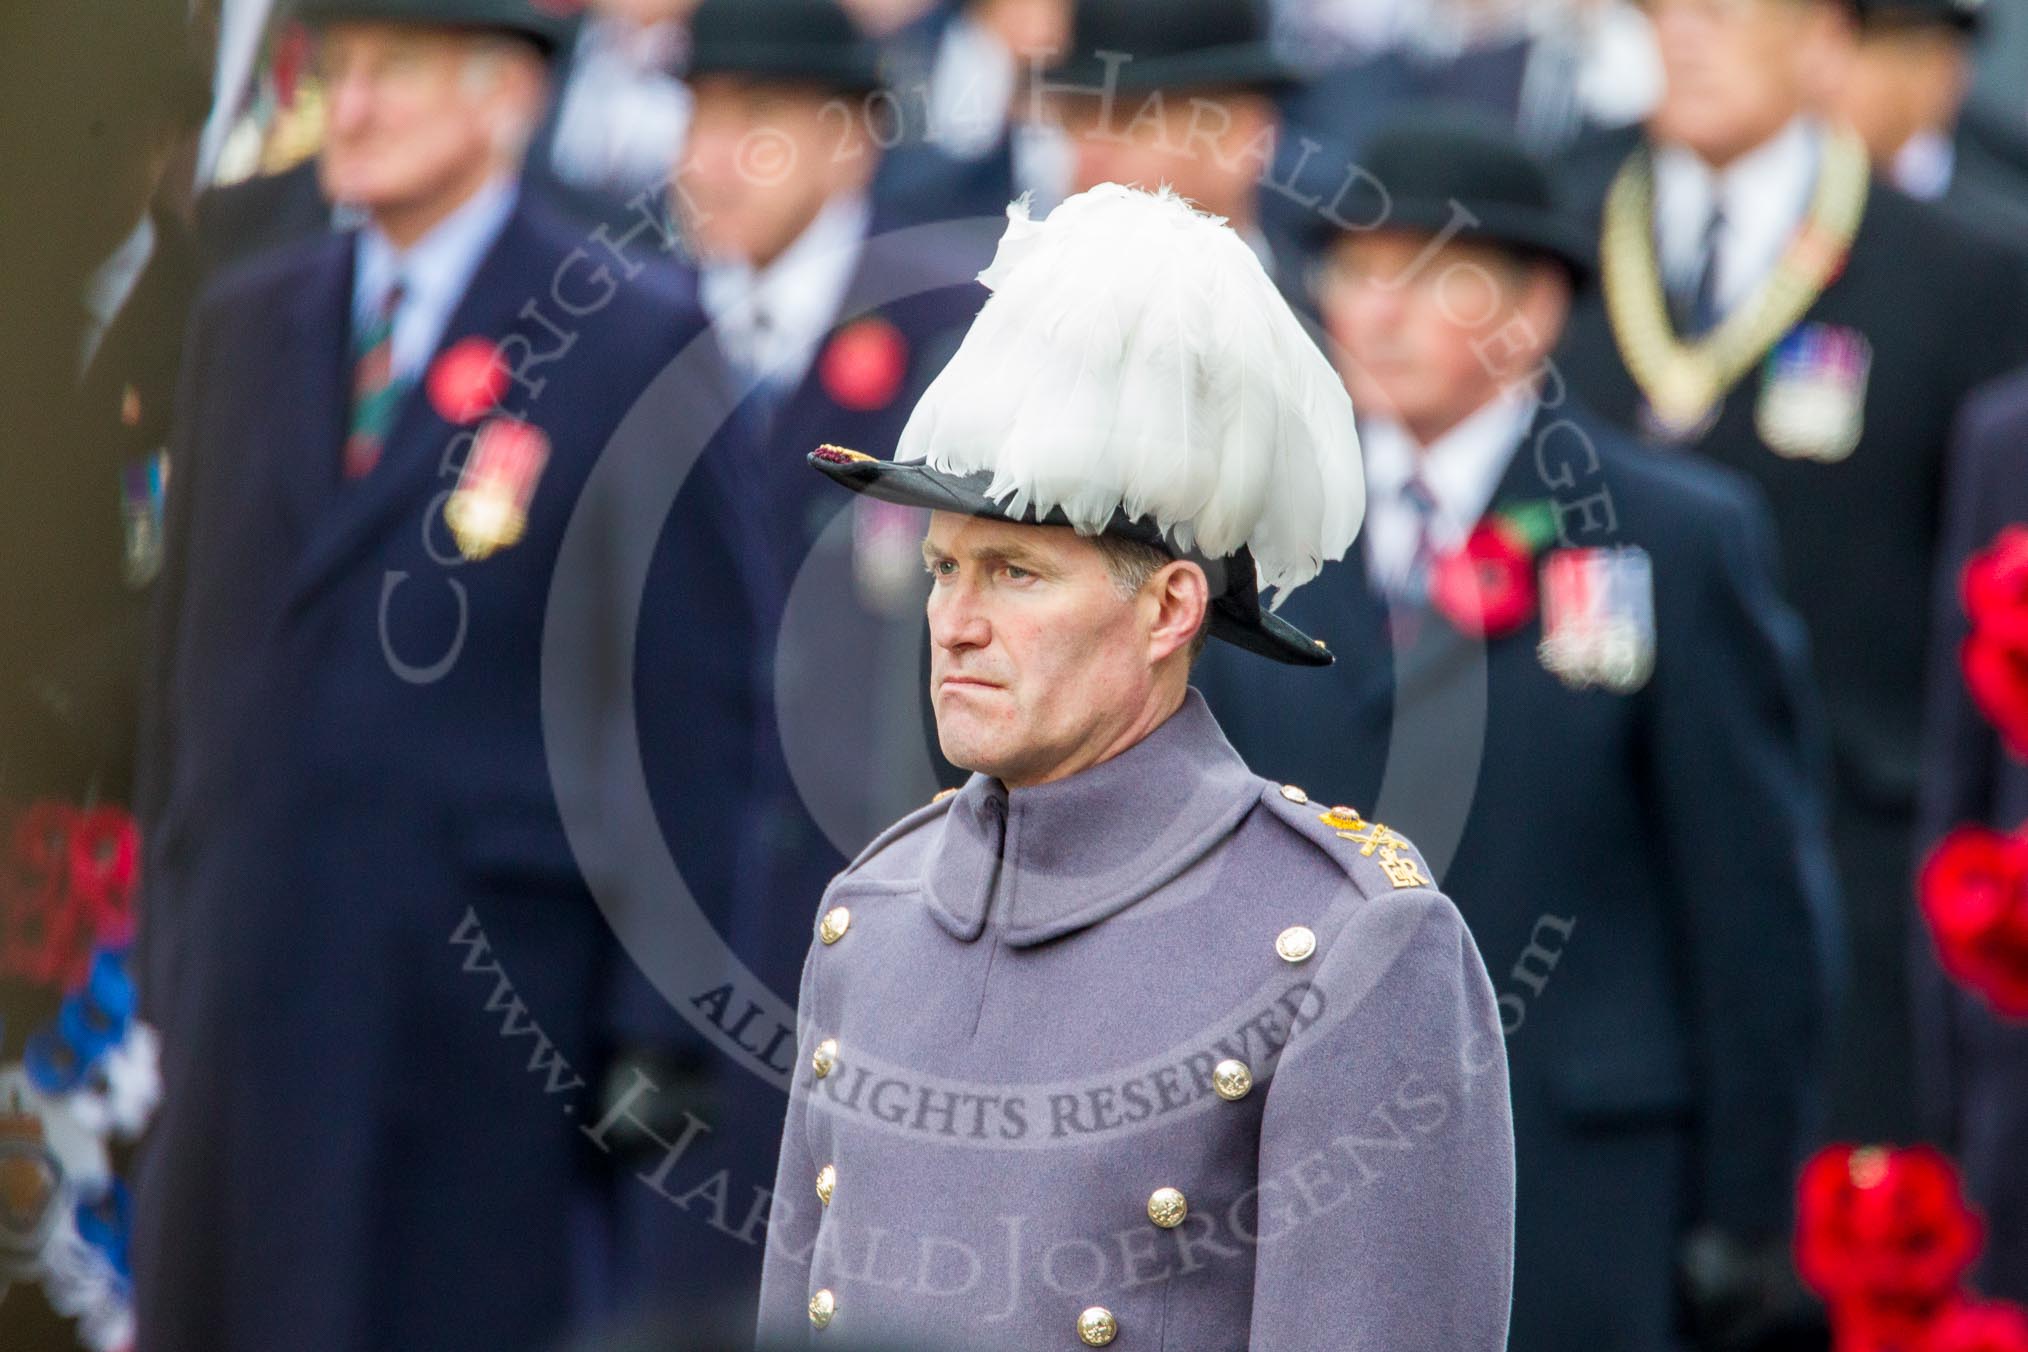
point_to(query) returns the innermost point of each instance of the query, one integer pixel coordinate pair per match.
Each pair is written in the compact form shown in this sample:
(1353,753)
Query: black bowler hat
(1173,44)
(545,25)
(800,41)
(1963,16)
(1425,164)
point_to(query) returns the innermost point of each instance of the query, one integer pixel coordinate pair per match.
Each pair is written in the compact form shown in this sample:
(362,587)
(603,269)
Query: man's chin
(969,747)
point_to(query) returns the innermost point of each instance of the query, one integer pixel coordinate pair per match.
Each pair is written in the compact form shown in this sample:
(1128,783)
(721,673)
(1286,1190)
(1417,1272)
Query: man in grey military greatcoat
(1120,1044)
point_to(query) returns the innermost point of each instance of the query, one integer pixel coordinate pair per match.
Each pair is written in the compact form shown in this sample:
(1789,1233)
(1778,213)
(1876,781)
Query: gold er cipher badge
(1384,847)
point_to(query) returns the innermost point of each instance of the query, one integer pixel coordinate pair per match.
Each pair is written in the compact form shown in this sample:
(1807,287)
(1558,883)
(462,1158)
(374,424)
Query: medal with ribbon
(1598,618)
(488,510)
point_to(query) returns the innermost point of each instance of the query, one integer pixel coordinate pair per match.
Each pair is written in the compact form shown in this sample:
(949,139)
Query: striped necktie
(1409,596)
(376,393)
(1413,584)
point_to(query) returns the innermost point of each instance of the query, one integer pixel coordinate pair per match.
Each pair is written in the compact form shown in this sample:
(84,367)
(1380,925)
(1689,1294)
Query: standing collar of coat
(1043,862)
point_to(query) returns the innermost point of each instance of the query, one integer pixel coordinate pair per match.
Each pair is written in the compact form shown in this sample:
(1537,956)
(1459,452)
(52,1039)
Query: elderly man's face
(1037,661)
(761,161)
(1427,336)
(1736,71)
(1211,147)
(420,114)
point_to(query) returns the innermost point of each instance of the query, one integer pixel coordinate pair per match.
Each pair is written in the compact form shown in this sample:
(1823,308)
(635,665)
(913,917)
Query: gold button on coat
(1294,794)
(1232,1080)
(822,1306)
(827,1181)
(1096,1326)
(825,1057)
(1167,1208)
(1296,943)
(836,921)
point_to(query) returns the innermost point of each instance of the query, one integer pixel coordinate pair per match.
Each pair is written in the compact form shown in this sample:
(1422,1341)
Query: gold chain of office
(1684,381)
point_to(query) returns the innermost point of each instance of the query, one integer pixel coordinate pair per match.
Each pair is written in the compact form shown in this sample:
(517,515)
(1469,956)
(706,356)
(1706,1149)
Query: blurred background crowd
(407,538)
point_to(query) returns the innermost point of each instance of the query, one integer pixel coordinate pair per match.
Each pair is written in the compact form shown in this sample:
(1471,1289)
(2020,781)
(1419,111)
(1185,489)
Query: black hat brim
(1249,65)
(547,32)
(840,72)
(1517,229)
(1237,617)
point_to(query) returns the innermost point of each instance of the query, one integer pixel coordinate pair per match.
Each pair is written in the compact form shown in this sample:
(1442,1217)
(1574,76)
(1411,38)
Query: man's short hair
(1130,564)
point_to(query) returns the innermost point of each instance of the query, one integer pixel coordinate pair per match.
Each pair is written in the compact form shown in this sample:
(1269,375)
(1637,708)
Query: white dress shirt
(434,273)
(1461,469)
(770,321)
(1765,194)
(1923,168)
(622,112)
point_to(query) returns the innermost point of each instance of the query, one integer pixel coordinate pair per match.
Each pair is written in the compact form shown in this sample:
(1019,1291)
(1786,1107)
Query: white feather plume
(1134,354)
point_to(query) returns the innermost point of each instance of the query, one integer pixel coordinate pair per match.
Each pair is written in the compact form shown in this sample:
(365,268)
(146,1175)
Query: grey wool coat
(1159,1056)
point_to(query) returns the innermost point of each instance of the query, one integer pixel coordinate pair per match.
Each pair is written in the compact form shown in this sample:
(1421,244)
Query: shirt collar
(801,292)
(434,271)
(1923,168)
(1461,468)
(1765,193)
(971,85)
(1043,862)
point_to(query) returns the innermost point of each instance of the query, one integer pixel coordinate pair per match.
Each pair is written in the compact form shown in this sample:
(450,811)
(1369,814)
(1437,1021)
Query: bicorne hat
(1135,372)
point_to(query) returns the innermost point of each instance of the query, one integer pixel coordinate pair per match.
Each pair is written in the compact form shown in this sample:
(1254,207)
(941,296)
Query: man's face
(1427,337)
(1902,81)
(761,160)
(415,113)
(1211,148)
(1036,661)
(1033,30)
(1734,71)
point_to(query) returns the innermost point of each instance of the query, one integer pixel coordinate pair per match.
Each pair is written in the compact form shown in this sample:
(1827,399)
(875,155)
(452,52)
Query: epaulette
(1377,858)
(907,825)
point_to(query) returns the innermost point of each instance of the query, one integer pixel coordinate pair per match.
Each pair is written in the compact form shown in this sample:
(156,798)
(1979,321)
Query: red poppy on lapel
(1995,588)
(1974,896)
(1979,1326)
(1487,588)
(865,365)
(1883,1235)
(468,381)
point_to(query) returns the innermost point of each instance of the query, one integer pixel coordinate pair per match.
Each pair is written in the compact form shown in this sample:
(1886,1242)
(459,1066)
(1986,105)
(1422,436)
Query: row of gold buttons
(824,1304)
(1167,1207)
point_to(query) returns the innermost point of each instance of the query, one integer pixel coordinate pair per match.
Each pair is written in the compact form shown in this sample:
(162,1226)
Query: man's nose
(351,99)
(957,619)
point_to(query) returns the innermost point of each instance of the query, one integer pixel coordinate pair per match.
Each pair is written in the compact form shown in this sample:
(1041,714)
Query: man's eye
(1016,572)
(939,567)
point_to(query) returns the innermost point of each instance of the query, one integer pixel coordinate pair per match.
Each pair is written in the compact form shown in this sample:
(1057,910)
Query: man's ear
(1181,596)
(1544,307)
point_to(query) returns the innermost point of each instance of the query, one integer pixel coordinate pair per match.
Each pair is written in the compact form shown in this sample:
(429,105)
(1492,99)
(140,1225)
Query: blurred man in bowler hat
(1767,303)
(1905,94)
(825,320)
(383,985)
(1182,93)
(1619,748)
